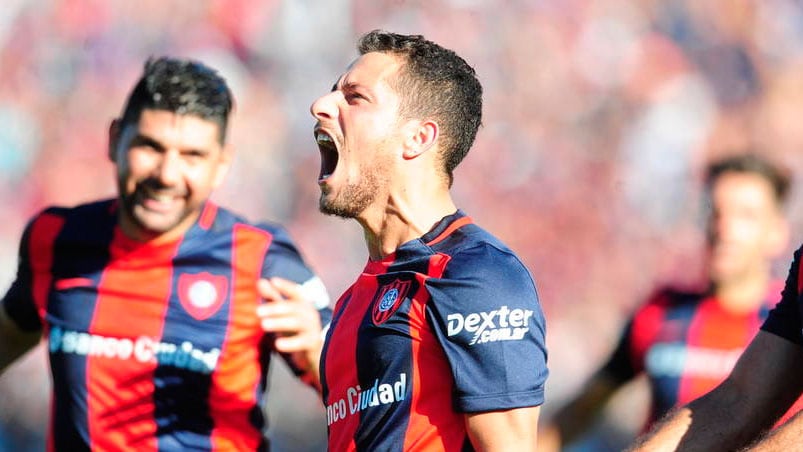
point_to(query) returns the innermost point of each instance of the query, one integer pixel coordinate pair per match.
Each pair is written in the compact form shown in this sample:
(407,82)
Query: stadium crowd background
(598,119)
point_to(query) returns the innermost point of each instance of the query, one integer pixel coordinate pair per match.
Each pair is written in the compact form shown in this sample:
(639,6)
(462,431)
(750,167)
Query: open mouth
(329,155)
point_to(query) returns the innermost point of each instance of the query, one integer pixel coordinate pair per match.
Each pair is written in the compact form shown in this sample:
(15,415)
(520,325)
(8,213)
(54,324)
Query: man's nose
(325,106)
(170,167)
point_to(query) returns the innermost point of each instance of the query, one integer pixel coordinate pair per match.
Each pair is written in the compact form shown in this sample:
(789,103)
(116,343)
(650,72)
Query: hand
(295,323)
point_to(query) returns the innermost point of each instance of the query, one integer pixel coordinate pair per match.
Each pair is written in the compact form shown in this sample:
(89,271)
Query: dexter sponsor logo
(143,349)
(503,324)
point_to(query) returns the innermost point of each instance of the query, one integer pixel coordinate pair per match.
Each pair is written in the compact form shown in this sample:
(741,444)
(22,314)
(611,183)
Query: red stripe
(208,215)
(457,224)
(432,387)
(646,326)
(40,251)
(341,368)
(235,382)
(120,391)
(714,329)
(71,283)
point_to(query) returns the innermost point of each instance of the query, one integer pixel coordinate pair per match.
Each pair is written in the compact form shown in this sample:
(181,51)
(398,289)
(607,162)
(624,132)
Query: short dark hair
(184,87)
(752,163)
(434,82)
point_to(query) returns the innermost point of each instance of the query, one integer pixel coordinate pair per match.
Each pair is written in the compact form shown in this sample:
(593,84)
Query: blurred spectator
(599,116)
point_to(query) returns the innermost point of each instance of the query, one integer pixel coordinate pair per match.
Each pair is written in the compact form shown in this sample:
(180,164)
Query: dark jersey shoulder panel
(489,321)
(37,243)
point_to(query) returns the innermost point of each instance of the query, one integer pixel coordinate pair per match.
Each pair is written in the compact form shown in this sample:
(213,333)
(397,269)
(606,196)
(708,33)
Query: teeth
(160,198)
(323,138)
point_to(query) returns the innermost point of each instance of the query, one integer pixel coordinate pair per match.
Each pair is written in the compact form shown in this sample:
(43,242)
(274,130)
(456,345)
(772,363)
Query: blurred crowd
(599,117)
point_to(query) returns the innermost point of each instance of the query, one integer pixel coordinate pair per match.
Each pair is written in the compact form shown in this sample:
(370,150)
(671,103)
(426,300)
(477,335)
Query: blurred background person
(686,340)
(600,111)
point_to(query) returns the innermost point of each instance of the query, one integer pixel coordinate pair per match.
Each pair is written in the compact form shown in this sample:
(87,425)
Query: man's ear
(226,158)
(779,237)
(420,137)
(114,136)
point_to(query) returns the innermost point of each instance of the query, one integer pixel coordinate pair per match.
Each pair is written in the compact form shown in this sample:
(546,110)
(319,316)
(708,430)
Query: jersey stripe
(343,369)
(40,249)
(432,386)
(240,348)
(457,224)
(120,407)
(714,331)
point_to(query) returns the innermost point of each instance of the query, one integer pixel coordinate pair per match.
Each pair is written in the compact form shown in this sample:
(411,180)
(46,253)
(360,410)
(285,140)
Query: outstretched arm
(782,438)
(764,384)
(13,341)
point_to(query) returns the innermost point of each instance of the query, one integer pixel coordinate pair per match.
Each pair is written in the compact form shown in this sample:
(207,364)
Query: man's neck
(398,222)
(743,294)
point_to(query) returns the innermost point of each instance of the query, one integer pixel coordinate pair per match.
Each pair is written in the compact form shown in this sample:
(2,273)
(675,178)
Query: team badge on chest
(388,299)
(202,294)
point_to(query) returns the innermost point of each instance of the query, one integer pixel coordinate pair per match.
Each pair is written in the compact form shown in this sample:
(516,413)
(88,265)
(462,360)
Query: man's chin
(349,205)
(152,225)
(335,211)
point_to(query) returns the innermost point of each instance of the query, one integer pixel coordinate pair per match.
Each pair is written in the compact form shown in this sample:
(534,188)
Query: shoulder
(480,272)
(665,300)
(472,252)
(227,220)
(90,216)
(669,297)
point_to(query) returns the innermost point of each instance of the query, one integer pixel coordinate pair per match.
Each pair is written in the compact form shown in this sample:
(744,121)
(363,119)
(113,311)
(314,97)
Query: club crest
(202,294)
(388,299)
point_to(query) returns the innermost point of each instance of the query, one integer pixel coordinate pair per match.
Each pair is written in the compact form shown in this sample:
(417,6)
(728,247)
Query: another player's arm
(296,323)
(295,308)
(764,384)
(14,342)
(782,438)
(504,430)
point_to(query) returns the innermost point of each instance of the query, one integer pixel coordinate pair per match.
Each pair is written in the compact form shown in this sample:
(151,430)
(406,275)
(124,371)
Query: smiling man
(161,309)
(439,344)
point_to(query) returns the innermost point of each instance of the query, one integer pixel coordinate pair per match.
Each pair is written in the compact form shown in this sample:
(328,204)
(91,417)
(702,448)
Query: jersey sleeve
(284,260)
(487,317)
(18,302)
(784,319)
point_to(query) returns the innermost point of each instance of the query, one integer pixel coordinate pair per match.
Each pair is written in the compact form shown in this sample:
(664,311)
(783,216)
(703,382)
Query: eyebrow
(141,139)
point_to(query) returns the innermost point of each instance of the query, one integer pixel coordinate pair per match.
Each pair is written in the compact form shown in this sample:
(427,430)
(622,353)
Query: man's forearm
(785,437)
(721,420)
(667,434)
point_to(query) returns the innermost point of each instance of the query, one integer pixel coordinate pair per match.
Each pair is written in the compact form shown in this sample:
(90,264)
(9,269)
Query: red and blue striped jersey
(153,347)
(449,324)
(686,343)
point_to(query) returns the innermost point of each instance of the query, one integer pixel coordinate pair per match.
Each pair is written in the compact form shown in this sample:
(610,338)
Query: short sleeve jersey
(447,325)
(153,347)
(686,343)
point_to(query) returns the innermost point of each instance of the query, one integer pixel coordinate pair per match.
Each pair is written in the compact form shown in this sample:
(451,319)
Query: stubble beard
(354,198)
